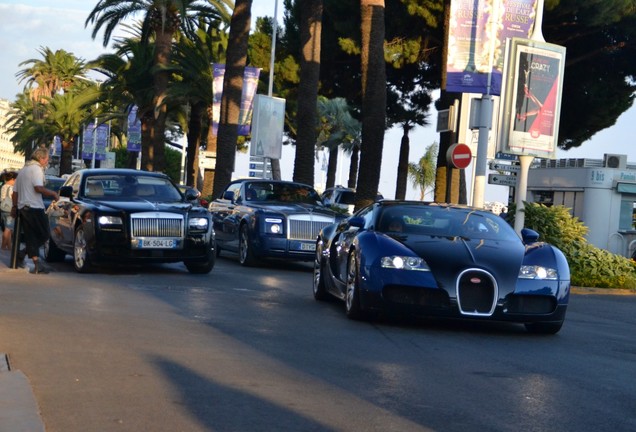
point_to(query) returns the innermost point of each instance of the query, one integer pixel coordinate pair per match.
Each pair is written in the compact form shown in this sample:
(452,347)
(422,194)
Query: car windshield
(445,222)
(282,192)
(119,187)
(53,183)
(347,197)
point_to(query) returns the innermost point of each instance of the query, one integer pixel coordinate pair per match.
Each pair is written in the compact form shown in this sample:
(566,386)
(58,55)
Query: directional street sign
(503,180)
(495,166)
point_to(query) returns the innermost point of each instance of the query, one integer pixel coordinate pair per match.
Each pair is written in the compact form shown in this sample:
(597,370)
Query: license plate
(157,244)
(308,246)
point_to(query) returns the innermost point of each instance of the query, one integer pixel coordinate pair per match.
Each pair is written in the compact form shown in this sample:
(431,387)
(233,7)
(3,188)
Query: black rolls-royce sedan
(128,216)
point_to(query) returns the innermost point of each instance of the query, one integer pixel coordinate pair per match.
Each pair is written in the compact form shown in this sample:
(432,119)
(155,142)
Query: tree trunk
(236,59)
(332,166)
(66,158)
(373,100)
(194,142)
(403,165)
(353,167)
(306,118)
(156,158)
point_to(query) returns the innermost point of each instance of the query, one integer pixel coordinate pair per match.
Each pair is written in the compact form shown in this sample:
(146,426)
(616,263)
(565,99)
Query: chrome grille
(157,224)
(477,293)
(307,227)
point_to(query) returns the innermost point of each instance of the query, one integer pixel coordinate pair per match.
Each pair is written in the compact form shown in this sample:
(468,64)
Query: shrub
(590,266)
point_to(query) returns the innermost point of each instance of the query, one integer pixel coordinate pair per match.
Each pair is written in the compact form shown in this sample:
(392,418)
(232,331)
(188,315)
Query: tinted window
(440,221)
(130,187)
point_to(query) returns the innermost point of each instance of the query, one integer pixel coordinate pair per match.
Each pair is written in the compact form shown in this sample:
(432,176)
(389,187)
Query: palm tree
(65,115)
(161,20)
(310,33)
(337,127)
(56,72)
(193,63)
(128,72)
(422,174)
(373,100)
(236,60)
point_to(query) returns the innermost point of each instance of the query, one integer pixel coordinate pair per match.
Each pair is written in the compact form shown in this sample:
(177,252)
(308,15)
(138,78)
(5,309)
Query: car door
(62,214)
(222,211)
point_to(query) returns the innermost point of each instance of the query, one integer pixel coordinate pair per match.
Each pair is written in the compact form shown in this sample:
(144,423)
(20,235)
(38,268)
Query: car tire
(352,295)
(81,259)
(52,253)
(320,291)
(246,255)
(202,267)
(546,328)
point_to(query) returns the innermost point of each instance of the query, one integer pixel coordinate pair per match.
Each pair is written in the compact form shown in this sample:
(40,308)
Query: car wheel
(320,291)
(246,255)
(547,328)
(202,267)
(52,253)
(352,296)
(81,260)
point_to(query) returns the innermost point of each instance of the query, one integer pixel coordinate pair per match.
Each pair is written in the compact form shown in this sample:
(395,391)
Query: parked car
(269,219)
(128,216)
(441,260)
(342,198)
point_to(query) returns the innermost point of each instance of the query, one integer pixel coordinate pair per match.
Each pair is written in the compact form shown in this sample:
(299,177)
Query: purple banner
(88,139)
(477,39)
(250,83)
(133,143)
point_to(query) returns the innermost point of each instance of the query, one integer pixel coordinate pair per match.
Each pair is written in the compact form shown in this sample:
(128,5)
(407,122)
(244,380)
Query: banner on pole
(477,36)
(250,83)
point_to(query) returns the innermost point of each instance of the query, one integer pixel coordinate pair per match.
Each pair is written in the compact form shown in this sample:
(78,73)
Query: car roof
(119,171)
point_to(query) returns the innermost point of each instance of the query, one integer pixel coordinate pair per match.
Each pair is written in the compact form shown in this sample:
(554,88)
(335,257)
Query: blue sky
(28,25)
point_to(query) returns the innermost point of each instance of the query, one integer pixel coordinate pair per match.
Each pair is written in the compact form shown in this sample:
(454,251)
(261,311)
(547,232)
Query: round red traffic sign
(459,155)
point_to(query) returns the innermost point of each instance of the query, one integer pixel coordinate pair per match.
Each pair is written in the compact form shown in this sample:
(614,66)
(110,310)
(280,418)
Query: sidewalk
(19,410)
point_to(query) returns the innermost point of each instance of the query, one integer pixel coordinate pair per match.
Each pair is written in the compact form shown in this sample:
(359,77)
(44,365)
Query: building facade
(601,193)
(8,159)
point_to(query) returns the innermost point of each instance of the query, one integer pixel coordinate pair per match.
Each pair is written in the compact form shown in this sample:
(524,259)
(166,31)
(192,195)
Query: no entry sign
(459,156)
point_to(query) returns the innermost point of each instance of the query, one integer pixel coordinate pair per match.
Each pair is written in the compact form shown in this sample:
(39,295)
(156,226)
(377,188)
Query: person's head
(396,225)
(10,176)
(41,155)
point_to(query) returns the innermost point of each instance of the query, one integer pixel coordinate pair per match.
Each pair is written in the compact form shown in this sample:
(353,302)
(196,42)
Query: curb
(18,409)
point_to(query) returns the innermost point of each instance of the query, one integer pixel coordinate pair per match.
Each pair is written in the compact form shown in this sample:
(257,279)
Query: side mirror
(228,195)
(191,194)
(66,191)
(356,222)
(529,236)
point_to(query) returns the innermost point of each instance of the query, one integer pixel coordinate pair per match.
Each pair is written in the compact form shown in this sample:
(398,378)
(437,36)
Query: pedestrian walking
(6,203)
(27,200)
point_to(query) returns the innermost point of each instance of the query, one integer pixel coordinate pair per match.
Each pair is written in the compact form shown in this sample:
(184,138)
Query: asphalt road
(248,349)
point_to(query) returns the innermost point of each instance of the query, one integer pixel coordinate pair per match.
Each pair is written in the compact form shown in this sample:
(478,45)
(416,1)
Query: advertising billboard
(477,35)
(532,98)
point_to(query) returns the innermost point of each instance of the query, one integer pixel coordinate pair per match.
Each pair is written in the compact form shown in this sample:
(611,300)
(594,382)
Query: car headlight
(404,263)
(274,225)
(537,272)
(109,220)
(198,223)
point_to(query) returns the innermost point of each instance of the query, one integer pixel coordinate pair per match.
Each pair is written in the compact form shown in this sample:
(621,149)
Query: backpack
(7,200)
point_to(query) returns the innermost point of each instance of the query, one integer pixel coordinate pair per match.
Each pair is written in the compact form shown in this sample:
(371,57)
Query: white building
(8,159)
(601,193)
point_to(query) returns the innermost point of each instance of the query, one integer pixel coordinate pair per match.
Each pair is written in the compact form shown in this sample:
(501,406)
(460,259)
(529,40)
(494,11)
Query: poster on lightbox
(533,98)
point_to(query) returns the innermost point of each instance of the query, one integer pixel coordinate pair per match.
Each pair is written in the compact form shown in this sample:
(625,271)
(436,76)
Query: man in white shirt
(27,200)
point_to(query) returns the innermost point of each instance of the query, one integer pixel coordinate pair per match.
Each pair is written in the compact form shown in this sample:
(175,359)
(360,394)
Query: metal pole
(270,88)
(485,121)
(522,190)
(94,143)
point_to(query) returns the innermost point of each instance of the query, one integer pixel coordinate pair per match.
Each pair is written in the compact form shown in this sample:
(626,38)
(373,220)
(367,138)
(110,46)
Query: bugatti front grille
(476,293)
(156,224)
(306,228)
